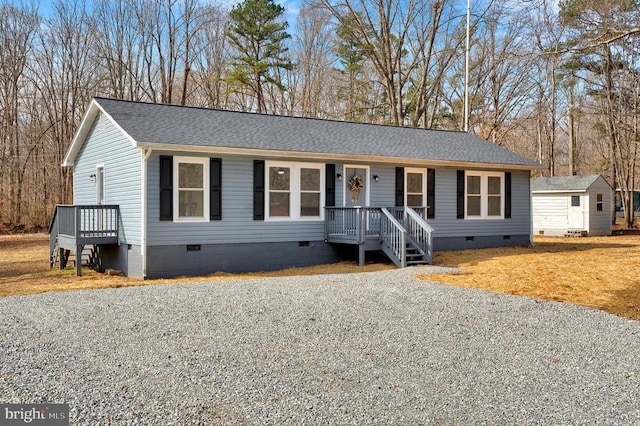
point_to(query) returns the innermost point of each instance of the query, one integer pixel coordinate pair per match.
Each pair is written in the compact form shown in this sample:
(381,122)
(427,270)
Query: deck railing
(360,222)
(74,227)
(394,238)
(393,227)
(420,232)
(87,221)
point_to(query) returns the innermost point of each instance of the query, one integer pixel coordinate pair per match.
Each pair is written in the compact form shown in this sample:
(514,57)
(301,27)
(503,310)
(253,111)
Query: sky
(292,7)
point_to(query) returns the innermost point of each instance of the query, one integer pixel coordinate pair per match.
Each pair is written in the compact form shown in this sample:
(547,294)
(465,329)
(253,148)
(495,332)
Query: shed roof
(165,126)
(564,183)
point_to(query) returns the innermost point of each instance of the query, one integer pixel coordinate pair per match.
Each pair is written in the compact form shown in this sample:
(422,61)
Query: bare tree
(64,76)
(312,50)
(211,58)
(119,49)
(18,26)
(610,67)
(503,63)
(383,28)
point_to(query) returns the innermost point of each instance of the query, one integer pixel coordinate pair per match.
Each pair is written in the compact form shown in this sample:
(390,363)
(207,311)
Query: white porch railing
(393,238)
(353,222)
(392,227)
(420,232)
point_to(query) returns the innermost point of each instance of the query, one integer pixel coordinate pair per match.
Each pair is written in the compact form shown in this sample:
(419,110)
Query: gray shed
(571,205)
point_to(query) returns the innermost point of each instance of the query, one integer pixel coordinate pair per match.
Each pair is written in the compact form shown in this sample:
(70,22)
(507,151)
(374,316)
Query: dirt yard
(599,272)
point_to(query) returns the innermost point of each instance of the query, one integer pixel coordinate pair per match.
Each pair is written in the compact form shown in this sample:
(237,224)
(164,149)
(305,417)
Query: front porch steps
(414,256)
(399,232)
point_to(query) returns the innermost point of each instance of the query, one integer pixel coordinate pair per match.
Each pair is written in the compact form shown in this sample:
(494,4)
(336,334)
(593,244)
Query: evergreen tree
(258,33)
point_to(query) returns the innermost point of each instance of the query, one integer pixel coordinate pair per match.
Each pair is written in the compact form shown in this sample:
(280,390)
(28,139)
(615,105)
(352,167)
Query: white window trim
(345,179)
(484,195)
(176,189)
(601,203)
(294,191)
(408,170)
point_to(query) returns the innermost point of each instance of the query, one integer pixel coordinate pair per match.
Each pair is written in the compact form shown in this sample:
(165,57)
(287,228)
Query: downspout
(146,152)
(531,211)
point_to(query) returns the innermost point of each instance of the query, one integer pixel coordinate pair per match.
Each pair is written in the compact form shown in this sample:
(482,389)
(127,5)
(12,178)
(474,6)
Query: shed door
(576,212)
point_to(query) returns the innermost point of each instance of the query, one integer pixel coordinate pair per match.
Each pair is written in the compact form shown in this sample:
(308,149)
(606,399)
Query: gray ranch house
(165,190)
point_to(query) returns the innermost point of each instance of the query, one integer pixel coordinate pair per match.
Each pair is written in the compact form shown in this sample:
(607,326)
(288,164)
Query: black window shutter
(399,186)
(507,195)
(215,188)
(330,185)
(166,187)
(460,193)
(258,189)
(431,193)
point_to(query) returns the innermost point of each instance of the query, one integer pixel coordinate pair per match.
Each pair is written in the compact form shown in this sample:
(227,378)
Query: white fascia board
(335,157)
(83,130)
(559,191)
(81,134)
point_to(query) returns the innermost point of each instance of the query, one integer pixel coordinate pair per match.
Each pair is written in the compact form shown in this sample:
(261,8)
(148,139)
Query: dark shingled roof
(190,126)
(563,183)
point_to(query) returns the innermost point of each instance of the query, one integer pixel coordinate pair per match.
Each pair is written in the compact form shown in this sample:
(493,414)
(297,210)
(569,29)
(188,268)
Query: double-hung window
(599,203)
(294,191)
(191,194)
(484,193)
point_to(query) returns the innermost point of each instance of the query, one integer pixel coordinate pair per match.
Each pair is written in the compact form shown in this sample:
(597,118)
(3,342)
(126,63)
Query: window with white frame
(484,195)
(599,203)
(294,190)
(191,193)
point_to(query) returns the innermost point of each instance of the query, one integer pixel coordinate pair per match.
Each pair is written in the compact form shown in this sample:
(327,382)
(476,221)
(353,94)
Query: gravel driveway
(372,348)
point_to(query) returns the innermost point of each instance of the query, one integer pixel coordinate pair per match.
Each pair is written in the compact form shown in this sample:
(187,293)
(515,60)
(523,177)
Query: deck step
(417,262)
(413,256)
(54,255)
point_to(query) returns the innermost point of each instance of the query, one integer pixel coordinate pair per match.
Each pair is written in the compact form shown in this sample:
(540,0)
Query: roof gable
(165,126)
(565,183)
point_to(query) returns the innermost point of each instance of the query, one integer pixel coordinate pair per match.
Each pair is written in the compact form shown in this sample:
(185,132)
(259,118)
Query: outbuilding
(571,206)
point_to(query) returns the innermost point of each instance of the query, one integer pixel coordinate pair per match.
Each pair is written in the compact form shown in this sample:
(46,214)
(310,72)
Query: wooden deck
(75,226)
(401,232)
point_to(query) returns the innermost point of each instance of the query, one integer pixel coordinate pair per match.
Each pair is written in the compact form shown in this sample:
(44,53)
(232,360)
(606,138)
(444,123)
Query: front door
(355,192)
(576,212)
(414,188)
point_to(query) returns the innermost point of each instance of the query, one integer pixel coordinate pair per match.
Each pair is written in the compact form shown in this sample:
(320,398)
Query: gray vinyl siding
(446,224)
(122,174)
(600,221)
(237,225)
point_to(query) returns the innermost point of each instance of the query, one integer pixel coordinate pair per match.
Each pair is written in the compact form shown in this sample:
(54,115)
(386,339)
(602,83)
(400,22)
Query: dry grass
(599,272)
(24,269)
(602,272)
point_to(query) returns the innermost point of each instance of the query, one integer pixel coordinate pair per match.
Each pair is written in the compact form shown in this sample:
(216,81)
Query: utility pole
(466,69)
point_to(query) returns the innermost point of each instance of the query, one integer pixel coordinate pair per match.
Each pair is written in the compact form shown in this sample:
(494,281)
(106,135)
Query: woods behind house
(557,82)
